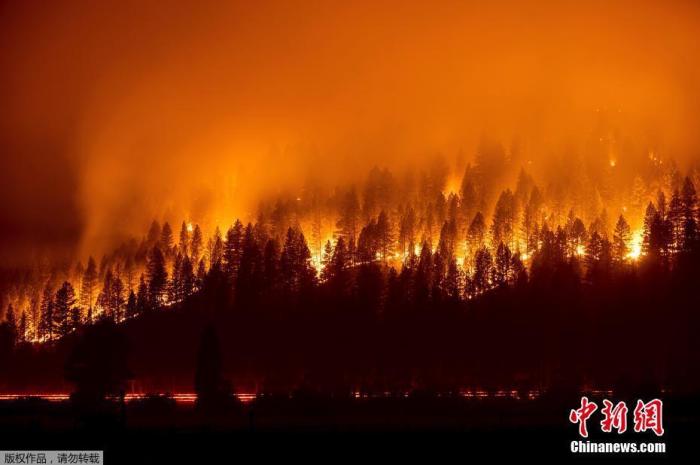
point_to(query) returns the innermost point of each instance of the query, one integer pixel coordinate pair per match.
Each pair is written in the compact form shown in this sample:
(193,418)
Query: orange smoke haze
(118,112)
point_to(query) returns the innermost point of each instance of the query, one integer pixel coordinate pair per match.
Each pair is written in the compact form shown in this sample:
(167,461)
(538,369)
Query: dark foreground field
(159,430)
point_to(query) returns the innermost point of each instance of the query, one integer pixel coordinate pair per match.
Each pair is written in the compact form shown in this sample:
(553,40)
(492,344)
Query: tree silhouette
(197,242)
(166,239)
(142,297)
(117,300)
(251,274)
(215,248)
(131,305)
(157,278)
(335,271)
(63,307)
(11,323)
(621,239)
(233,250)
(22,329)
(295,263)
(502,269)
(483,270)
(154,232)
(46,326)
(187,279)
(689,215)
(183,245)
(476,233)
(650,218)
(97,365)
(348,224)
(209,384)
(88,285)
(384,236)
(407,231)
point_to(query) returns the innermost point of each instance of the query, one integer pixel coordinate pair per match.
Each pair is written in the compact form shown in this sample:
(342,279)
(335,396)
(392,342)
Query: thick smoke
(118,112)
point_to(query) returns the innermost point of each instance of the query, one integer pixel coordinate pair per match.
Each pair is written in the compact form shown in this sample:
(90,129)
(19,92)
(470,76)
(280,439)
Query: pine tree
(197,242)
(326,261)
(184,242)
(451,284)
(45,327)
(63,308)
(367,248)
(187,278)
(295,263)
(576,237)
(157,278)
(104,299)
(250,273)
(175,285)
(621,239)
(142,298)
(470,200)
(594,250)
(131,305)
(348,224)
(661,205)
(215,248)
(11,321)
(22,329)
(384,236)
(88,285)
(129,273)
(598,258)
(153,234)
(519,272)
(407,230)
(448,238)
(423,275)
(116,298)
(232,251)
(503,226)
(166,239)
(677,219)
(476,233)
(75,320)
(689,204)
(316,226)
(201,274)
(483,269)
(649,217)
(335,272)
(502,271)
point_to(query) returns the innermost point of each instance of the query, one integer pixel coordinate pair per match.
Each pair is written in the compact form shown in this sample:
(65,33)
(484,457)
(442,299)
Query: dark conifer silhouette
(89,282)
(157,277)
(213,391)
(97,365)
(64,303)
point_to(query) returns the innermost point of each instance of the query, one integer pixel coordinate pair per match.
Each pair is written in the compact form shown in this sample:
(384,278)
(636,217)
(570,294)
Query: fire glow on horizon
(102,134)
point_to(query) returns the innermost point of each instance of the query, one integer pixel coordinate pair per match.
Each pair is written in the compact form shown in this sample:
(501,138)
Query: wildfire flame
(635,246)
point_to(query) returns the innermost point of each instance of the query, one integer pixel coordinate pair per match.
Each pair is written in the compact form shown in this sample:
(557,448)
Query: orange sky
(117,111)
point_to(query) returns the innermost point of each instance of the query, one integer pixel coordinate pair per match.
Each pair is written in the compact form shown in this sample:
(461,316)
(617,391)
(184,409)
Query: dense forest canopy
(362,193)
(471,236)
